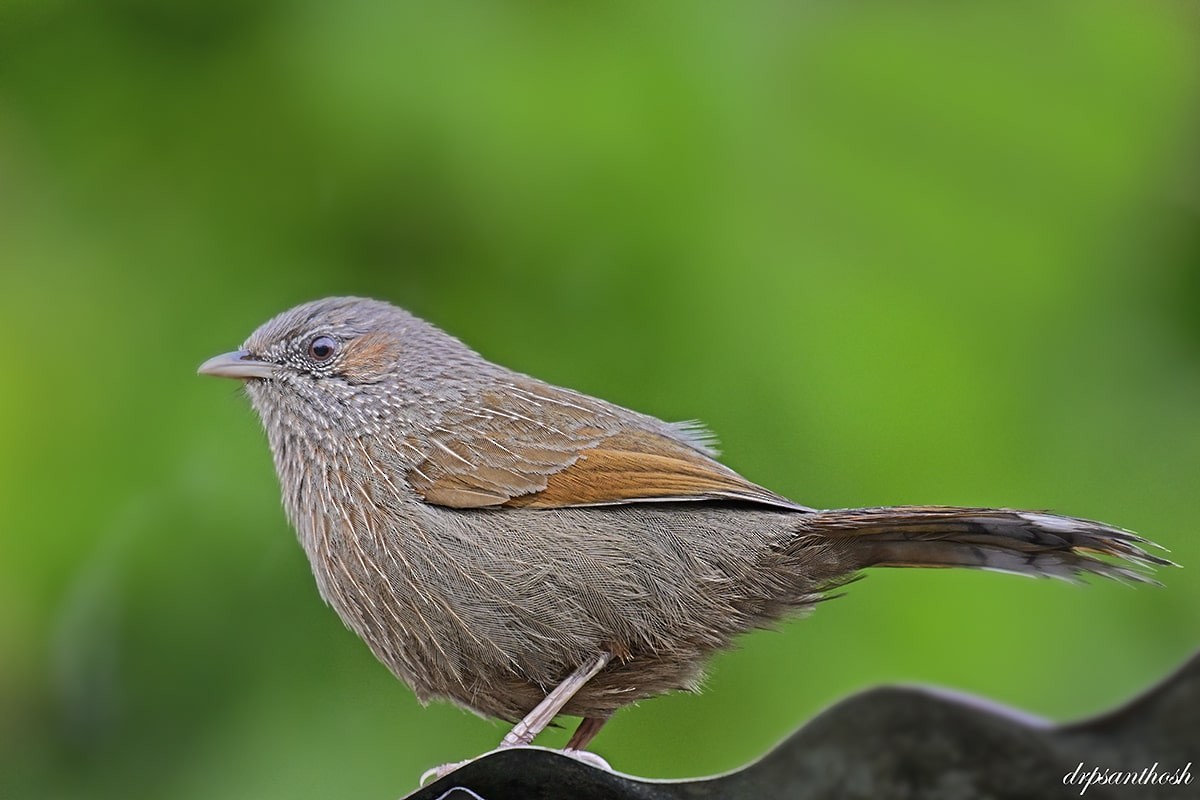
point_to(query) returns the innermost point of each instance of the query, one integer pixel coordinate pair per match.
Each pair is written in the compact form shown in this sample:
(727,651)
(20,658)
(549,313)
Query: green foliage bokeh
(890,252)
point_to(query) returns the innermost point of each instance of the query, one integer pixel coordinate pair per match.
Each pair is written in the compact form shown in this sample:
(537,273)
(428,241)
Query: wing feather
(531,445)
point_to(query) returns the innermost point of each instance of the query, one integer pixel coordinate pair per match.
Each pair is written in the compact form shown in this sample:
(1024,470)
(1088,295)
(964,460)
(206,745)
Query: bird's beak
(238,364)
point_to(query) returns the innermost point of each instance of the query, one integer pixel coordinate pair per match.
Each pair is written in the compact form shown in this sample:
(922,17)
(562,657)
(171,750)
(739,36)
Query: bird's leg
(545,712)
(588,728)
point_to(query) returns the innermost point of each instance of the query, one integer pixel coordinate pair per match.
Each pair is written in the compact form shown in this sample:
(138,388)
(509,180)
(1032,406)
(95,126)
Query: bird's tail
(1023,542)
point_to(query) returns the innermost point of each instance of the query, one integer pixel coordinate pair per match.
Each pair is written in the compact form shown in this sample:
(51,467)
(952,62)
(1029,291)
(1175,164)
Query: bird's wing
(531,445)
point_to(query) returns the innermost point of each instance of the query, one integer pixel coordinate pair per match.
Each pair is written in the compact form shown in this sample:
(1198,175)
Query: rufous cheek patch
(370,356)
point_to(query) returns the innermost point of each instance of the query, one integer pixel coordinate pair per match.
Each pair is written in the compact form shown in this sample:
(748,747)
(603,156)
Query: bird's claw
(583,756)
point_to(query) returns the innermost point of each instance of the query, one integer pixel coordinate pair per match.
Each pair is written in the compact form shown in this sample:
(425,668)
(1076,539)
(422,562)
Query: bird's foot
(582,756)
(442,770)
(587,757)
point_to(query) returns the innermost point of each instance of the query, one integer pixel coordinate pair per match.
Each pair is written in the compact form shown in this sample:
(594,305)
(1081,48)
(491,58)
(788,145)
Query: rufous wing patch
(531,445)
(643,466)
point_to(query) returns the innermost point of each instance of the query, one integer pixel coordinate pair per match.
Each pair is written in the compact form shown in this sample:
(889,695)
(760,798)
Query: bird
(524,550)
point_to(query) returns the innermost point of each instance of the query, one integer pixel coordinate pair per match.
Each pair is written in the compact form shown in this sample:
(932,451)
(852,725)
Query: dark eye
(322,348)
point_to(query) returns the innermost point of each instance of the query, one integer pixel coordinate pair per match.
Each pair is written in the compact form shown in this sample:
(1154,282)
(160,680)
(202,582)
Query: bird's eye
(322,348)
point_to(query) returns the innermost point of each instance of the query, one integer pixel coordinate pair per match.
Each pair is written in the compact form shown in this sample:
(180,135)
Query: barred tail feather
(1023,542)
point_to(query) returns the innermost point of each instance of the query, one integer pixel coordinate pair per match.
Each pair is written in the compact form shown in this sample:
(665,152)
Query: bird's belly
(492,609)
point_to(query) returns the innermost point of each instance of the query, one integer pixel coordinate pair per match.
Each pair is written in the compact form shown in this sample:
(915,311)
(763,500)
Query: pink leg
(587,729)
(545,712)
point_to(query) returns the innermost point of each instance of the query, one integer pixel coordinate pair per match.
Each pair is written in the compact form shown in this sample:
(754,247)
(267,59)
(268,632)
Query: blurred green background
(890,252)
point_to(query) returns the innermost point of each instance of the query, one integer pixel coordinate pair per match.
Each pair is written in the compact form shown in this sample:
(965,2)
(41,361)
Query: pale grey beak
(238,364)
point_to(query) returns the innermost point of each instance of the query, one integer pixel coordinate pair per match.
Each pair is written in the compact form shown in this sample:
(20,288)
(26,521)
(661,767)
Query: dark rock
(900,743)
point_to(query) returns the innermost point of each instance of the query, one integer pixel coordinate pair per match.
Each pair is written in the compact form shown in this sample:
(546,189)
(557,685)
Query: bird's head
(347,365)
